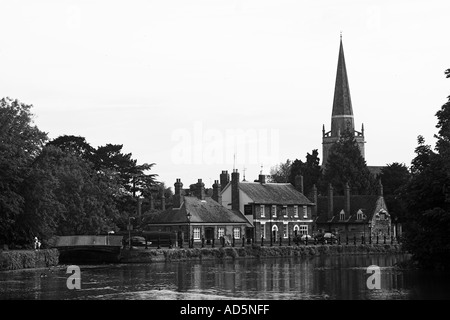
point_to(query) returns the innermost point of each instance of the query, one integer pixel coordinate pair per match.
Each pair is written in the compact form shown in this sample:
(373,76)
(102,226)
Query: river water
(323,277)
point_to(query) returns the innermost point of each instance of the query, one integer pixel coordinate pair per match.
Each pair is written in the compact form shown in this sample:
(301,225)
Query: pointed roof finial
(341,35)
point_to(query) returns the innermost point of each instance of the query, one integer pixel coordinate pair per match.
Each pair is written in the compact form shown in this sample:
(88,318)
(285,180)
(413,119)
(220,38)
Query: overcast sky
(198,87)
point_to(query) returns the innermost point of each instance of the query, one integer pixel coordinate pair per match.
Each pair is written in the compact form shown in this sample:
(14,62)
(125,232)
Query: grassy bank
(177,254)
(23,259)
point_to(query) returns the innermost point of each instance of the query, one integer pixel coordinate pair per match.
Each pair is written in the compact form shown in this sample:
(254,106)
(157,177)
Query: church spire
(342,115)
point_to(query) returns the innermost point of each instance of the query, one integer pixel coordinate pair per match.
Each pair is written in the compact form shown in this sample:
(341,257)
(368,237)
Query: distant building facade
(274,209)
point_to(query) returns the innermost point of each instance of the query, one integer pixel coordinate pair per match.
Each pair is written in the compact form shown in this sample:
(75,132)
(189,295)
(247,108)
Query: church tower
(342,114)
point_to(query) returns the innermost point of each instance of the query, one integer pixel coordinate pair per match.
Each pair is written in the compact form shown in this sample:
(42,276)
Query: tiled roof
(274,193)
(206,211)
(367,204)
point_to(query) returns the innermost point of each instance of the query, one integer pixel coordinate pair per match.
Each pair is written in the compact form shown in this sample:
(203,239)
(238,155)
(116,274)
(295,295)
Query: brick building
(274,209)
(353,215)
(197,216)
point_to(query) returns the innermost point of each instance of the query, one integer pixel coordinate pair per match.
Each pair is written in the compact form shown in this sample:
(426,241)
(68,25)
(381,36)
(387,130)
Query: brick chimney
(224,179)
(314,196)
(380,188)
(216,191)
(347,200)
(299,183)
(235,190)
(163,202)
(330,201)
(177,197)
(152,202)
(262,178)
(200,190)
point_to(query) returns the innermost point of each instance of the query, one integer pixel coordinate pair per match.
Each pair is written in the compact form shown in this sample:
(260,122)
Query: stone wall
(23,259)
(176,254)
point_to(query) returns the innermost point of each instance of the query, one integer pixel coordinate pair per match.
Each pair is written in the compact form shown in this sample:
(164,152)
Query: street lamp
(129,232)
(189,229)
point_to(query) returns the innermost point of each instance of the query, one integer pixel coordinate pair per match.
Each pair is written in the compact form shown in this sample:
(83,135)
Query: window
(296,211)
(284,210)
(303,229)
(342,215)
(274,211)
(261,209)
(305,212)
(196,233)
(285,230)
(359,215)
(296,230)
(274,231)
(237,233)
(263,230)
(220,232)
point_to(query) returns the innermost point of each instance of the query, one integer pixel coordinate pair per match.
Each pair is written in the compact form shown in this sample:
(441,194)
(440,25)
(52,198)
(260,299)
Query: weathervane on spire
(261,169)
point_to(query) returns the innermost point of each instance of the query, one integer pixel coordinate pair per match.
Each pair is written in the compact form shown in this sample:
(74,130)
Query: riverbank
(25,259)
(249,252)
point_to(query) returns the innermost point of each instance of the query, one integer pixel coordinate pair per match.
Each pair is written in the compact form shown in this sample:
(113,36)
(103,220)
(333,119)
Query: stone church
(342,115)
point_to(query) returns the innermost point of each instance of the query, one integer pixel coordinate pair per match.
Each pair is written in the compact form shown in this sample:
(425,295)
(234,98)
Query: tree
(20,143)
(65,196)
(280,173)
(427,198)
(310,170)
(394,177)
(346,164)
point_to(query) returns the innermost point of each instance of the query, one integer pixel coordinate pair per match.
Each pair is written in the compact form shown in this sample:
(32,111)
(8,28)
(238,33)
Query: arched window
(274,231)
(296,229)
(342,215)
(359,215)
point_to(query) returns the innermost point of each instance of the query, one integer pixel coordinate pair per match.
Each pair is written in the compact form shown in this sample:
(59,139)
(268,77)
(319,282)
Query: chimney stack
(235,190)
(314,195)
(152,202)
(262,178)
(299,183)
(380,188)
(200,190)
(330,201)
(347,200)
(163,202)
(177,197)
(216,192)
(224,179)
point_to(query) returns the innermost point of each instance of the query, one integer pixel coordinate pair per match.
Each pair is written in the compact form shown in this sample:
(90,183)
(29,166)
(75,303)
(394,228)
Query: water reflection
(327,277)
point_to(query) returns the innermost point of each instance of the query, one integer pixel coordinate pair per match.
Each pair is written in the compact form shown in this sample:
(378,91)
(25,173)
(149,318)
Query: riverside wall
(249,252)
(24,259)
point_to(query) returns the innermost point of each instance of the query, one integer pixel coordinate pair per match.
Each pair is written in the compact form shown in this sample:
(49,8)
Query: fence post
(243,241)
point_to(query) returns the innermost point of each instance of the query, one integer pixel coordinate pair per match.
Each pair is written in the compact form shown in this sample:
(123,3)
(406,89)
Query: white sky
(176,81)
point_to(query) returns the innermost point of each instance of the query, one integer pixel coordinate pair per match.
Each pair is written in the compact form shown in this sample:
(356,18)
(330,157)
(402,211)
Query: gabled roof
(273,193)
(366,203)
(202,211)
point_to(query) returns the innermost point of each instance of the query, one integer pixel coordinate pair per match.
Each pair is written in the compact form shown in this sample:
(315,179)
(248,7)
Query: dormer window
(359,215)
(342,215)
